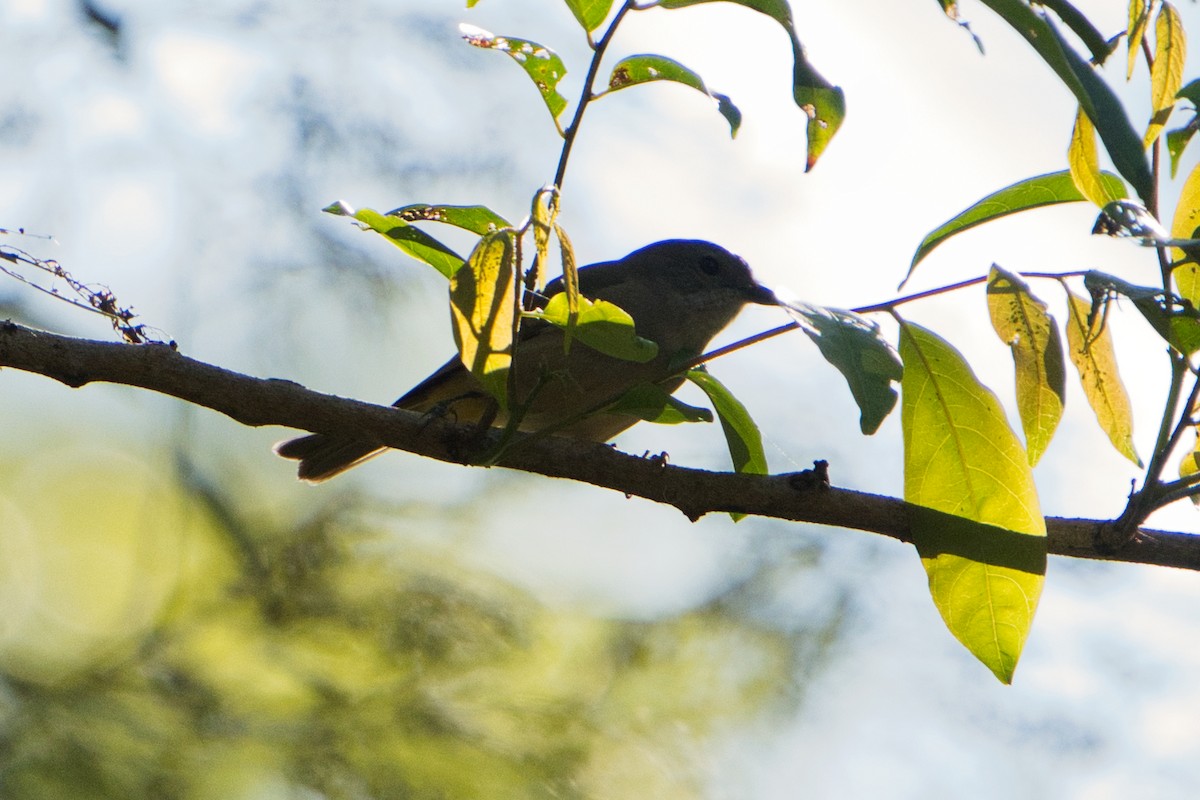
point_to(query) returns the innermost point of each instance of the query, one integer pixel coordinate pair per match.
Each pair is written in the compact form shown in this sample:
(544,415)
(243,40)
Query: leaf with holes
(541,64)
(412,240)
(640,69)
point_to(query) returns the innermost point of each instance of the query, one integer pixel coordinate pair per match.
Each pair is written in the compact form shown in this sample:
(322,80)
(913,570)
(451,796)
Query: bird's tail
(321,457)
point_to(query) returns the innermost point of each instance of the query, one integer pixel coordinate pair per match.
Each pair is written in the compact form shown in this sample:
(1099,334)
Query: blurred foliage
(160,644)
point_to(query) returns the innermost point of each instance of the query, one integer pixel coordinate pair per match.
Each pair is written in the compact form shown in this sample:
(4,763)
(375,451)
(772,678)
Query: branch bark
(801,497)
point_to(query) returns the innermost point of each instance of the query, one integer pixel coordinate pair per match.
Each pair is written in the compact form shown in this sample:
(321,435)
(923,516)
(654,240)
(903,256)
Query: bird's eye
(709,265)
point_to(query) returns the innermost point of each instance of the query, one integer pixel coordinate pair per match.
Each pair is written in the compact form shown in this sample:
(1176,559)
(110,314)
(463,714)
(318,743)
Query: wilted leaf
(1166,77)
(1095,96)
(1043,190)
(1021,321)
(481,306)
(601,326)
(1091,351)
(1178,324)
(866,360)
(476,219)
(590,13)
(652,403)
(646,68)
(541,64)
(413,241)
(1084,164)
(741,434)
(962,459)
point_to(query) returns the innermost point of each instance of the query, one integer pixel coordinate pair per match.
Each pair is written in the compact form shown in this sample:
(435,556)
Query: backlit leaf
(590,13)
(646,68)
(541,64)
(1043,190)
(482,308)
(1190,464)
(1091,350)
(1096,97)
(986,561)
(1177,324)
(412,240)
(741,434)
(476,219)
(866,360)
(1084,162)
(1166,77)
(1021,321)
(1185,226)
(601,326)
(1139,18)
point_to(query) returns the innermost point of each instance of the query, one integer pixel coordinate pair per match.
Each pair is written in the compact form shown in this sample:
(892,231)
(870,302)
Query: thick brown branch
(801,497)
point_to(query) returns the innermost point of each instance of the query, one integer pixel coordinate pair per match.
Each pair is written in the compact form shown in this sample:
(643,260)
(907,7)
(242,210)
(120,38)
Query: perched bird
(680,293)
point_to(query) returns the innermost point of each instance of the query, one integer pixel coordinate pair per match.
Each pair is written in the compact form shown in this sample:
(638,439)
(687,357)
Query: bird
(681,293)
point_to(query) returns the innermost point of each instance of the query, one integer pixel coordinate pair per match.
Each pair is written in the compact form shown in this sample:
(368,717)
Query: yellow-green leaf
(1084,161)
(482,309)
(1190,465)
(1139,17)
(1091,349)
(980,532)
(1166,78)
(1185,226)
(599,324)
(412,240)
(1021,322)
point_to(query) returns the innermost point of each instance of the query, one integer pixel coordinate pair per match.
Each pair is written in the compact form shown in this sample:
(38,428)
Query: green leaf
(1178,325)
(541,64)
(1084,164)
(1185,226)
(634,70)
(866,360)
(824,103)
(1095,96)
(476,219)
(1089,342)
(482,308)
(1166,77)
(962,459)
(653,403)
(601,326)
(1021,321)
(1043,190)
(590,13)
(1191,93)
(1096,43)
(1177,142)
(1139,18)
(413,241)
(741,434)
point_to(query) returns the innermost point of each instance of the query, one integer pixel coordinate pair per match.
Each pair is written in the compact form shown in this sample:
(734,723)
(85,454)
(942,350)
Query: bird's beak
(762,296)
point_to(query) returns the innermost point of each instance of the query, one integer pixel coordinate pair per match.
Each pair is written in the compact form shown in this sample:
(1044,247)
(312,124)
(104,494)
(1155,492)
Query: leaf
(653,403)
(1096,43)
(1177,142)
(1191,92)
(1091,350)
(1185,226)
(824,103)
(741,434)
(866,360)
(1190,464)
(950,7)
(590,13)
(1139,18)
(476,219)
(482,307)
(1043,190)
(601,326)
(1178,325)
(413,241)
(634,70)
(1166,76)
(1021,321)
(570,283)
(541,64)
(961,458)
(1084,164)
(1095,96)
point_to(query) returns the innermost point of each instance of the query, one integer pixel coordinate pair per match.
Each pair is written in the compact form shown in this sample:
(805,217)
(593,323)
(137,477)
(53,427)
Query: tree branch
(801,497)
